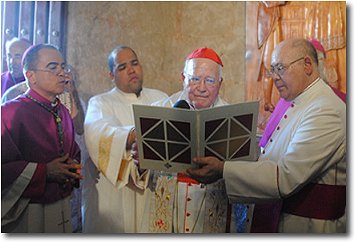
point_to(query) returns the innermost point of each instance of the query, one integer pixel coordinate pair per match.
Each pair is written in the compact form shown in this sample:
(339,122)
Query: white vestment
(20,216)
(309,145)
(182,205)
(115,197)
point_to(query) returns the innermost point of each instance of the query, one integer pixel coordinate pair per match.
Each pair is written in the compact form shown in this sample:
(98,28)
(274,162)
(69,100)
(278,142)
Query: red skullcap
(205,53)
(316,44)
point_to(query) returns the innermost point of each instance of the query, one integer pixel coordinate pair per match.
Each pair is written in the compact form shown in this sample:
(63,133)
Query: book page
(166,137)
(229,132)
(169,138)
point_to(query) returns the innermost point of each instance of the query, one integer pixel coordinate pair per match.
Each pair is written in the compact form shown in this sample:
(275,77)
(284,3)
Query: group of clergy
(298,183)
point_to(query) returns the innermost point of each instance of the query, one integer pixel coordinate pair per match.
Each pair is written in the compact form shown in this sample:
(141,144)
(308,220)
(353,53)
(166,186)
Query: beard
(137,87)
(16,71)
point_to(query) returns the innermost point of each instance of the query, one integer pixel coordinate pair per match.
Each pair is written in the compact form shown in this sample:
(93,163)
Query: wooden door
(39,22)
(270,22)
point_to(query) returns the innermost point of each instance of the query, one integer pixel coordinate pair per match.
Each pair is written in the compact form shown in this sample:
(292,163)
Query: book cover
(169,138)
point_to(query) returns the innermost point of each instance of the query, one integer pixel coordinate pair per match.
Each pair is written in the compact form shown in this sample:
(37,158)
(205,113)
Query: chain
(58,121)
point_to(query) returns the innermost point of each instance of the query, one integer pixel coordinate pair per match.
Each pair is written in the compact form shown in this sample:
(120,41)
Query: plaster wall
(162,34)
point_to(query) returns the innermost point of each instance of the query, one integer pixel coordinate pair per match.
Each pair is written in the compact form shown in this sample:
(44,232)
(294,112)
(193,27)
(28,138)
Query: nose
(61,71)
(274,76)
(10,60)
(130,68)
(201,86)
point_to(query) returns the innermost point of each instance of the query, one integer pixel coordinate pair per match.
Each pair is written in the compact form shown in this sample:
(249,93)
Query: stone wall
(162,34)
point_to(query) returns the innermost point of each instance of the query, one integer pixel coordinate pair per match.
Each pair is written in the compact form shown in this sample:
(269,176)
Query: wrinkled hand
(70,86)
(131,138)
(134,153)
(135,157)
(269,107)
(63,170)
(210,169)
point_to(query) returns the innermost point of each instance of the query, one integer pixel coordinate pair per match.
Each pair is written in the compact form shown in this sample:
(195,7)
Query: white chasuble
(118,198)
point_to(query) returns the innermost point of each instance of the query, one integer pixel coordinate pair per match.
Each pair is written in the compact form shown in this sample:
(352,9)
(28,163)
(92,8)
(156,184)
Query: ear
(111,75)
(182,76)
(308,65)
(30,76)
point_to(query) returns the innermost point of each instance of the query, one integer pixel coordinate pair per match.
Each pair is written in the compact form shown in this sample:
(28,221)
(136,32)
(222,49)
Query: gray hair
(30,58)
(219,67)
(14,40)
(307,47)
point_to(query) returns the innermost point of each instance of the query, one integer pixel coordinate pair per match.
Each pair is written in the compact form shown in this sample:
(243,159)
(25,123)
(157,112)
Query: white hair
(187,63)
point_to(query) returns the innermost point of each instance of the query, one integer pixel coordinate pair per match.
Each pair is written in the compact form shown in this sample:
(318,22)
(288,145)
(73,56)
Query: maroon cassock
(7,81)
(29,134)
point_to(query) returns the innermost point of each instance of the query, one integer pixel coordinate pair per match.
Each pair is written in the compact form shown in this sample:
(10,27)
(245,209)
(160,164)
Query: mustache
(201,95)
(64,81)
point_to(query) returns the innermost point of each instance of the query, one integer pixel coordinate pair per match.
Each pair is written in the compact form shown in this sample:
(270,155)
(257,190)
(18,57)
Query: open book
(169,138)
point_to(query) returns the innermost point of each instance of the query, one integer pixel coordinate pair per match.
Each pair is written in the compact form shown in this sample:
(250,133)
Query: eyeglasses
(55,68)
(195,80)
(279,69)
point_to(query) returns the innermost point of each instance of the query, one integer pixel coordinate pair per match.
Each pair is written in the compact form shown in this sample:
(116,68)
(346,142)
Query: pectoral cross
(63,221)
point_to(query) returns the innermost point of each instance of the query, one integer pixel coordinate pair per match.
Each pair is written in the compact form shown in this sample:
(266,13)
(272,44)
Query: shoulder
(169,101)
(323,103)
(5,75)
(328,99)
(15,91)
(150,91)
(220,102)
(19,107)
(102,96)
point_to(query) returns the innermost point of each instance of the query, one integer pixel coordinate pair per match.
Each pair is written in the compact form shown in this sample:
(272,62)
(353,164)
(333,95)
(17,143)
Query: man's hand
(135,157)
(63,170)
(211,169)
(134,152)
(131,138)
(269,107)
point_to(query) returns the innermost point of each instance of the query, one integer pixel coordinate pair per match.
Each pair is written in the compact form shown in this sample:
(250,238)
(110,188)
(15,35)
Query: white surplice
(115,196)
(309,145)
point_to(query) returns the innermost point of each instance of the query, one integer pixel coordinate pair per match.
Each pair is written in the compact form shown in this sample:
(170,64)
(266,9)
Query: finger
(200,160)
(185,172)
(64,158)
(72,175)
(192,172)
(73,163)
(78,171)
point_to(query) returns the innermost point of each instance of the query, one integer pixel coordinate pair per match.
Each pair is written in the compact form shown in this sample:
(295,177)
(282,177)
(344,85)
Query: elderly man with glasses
(282,105)
(298,184)
(192,207)
(39,156)
(201,79)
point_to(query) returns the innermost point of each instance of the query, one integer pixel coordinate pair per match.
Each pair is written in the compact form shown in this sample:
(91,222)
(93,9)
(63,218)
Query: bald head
(294,66)
(15,49)
(296,47)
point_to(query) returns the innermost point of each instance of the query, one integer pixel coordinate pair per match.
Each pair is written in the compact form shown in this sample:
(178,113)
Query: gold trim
(105,144)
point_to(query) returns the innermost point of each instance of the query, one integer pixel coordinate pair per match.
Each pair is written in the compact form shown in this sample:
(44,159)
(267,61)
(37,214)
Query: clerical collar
(55,102)
(42,99)
(312,84)
(298,99)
